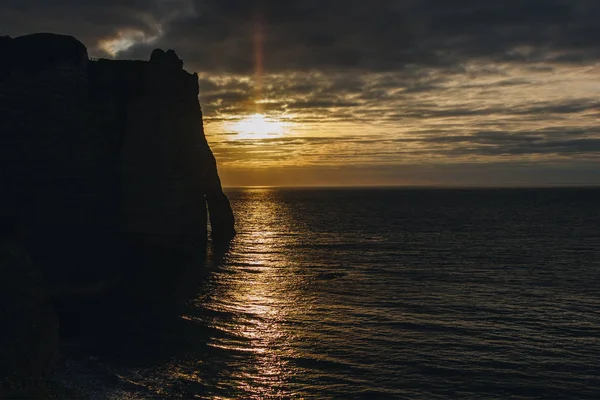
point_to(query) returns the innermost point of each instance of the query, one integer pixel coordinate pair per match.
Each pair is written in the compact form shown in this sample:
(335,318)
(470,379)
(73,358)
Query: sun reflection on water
(253,293)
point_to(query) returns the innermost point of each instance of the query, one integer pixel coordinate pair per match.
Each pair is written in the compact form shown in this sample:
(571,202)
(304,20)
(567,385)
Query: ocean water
(386,293)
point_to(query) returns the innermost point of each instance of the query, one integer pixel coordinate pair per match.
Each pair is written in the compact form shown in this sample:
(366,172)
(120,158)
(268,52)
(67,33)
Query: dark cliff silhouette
(112,142)
(105,180)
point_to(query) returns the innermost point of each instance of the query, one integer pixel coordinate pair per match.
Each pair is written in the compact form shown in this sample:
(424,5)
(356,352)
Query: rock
(106,143)
(37,52)
(4,49)
(221,218)
(221,215)
(29,334)
(43,106)
(166,59)
(157,55)
(95,153)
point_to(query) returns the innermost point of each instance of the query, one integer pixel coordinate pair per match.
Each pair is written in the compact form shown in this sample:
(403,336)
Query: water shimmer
(377,293)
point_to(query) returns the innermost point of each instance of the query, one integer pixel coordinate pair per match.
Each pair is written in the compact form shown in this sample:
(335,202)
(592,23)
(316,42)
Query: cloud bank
(388,86)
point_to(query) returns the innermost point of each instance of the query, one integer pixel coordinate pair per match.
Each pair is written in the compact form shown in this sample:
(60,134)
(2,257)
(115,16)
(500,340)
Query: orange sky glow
(402,93)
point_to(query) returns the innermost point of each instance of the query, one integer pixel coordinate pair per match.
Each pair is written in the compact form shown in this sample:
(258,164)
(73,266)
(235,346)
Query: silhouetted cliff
(106,174)
(29,333)
(105,141)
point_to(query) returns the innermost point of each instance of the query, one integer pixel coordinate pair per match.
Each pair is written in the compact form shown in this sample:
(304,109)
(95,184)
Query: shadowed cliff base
(106,184)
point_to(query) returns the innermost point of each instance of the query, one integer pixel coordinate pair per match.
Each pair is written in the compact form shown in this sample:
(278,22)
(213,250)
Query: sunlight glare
(258,126)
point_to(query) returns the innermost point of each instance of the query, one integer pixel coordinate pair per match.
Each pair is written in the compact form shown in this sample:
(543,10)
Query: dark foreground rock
(94,152)
(29,335)
(108,142)
(105,168)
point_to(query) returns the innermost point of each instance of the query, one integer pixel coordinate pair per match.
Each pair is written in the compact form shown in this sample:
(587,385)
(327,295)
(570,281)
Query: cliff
(29,334)
(106,177)
(105,142)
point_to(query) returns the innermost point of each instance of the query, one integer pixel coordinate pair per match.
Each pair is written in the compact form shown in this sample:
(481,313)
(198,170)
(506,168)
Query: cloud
(384,36)
(107,27)
(218,35)
(386,83)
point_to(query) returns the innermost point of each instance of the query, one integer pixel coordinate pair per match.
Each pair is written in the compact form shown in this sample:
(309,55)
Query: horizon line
(441,186)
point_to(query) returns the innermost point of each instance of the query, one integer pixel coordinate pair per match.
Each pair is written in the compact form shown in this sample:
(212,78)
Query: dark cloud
(386,35)
(90,21)
(534,110)
(439,79)
(491,143)
(322,104)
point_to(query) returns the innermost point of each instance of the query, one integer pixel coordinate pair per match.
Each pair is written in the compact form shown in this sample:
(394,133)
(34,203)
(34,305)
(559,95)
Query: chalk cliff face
(108,143)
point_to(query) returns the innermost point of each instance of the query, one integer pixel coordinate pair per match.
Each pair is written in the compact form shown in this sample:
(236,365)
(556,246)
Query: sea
(382,293)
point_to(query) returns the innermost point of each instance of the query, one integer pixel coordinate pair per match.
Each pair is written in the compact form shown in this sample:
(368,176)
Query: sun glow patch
(257,126)
(125,40)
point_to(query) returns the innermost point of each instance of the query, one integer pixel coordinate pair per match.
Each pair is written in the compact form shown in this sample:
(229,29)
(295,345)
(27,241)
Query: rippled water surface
(376,293)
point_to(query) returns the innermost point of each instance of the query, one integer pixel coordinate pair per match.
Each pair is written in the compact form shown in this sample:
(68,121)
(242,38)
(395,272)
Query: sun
(257,126)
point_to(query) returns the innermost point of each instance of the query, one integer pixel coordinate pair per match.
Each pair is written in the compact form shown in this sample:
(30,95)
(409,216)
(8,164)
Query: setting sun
(257,126)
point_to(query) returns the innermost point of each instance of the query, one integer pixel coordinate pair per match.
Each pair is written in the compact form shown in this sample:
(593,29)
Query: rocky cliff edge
(105,180)
(105,142)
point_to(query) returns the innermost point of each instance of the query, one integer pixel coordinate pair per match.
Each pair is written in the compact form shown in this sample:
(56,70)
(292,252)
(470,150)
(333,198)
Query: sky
(379,92)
